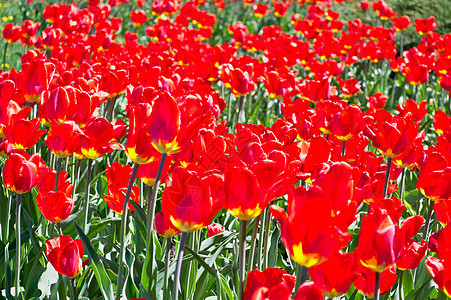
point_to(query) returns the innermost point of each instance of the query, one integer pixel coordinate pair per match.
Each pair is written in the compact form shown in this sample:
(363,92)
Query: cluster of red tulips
(291,123)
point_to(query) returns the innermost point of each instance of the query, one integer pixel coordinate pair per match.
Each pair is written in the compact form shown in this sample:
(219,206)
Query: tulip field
(225,149)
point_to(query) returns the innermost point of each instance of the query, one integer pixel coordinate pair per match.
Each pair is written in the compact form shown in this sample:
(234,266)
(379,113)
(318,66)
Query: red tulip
(64,139)
(139,146)
(334,276)
(425,26)
(19,174)
(46,183)
(164,124)
(309,291)
(164,226)
(243,197)
(55,206)
(391,138)
(309,238)
(350,87)
(138,17)
(118,178)
(364,5)
(96,137)
(401,23)
(11,33)
(381,242)
(438,270)
(190,201)
(239,81)
(366,280)
(383,10)
(65,255)
(442,211)
(36,77)
(148,172)
(24,134)
(434,179)
(56,106)
(214,229)
(271,283)
(412,255)
(260,10)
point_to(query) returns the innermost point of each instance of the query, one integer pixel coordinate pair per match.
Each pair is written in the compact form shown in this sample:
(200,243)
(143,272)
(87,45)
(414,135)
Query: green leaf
(201,261)
(103,280)
(149,271)
(407,282)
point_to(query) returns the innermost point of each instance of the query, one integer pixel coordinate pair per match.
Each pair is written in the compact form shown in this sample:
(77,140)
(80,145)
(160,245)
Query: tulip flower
(65,255)
(183,197)
(139,147)
(243,196)
(425,26)
(36,77)
(437,269)
(271,283)
(334,276)
(391,138)
(308,291)
(435,177)
(164,124)
(56,105)
(309,238)
(19,173)
(96,137)
(24,134)
(214,229)
(401,23)
(64,139)
(164,226)
(412,255)
(11,33)
(381,242)
(55,206)
(365,282)
(118,178)
(138,17)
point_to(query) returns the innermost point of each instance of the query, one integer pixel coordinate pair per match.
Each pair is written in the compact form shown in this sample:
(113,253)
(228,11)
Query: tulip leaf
(103,280)
(201,261)
(141,215)
(407,282)
(149,271)
(273,248)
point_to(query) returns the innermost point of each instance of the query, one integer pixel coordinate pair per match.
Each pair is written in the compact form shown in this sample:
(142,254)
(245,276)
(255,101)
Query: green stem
(400,291)
(4,55)
(58,168)
(18,245)
(402,44)
(153,200)
(111,108)
(377,286)
(178,267)
(343,148)
(123,231)
(266,239)
(428,218)
(242,257)
(240,110)
(387,177)
(253,243)
(166,268)
(401,183)
(86,206)
(301,275)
